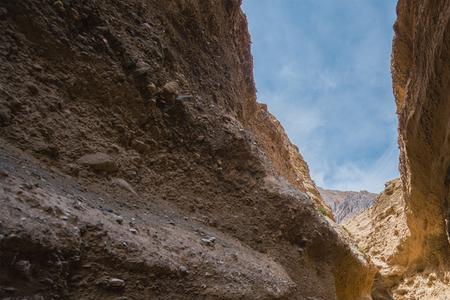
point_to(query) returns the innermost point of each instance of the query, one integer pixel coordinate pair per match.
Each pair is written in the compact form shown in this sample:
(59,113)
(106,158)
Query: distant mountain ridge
(345,204)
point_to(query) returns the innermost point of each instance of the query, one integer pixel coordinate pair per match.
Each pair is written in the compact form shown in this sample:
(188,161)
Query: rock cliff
(135,162)
(420,75)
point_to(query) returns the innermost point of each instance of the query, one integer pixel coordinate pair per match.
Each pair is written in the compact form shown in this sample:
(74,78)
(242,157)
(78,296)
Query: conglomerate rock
(220,204)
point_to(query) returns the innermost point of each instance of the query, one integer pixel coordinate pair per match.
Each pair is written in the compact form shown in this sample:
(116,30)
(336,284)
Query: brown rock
(99,162)
(169,91)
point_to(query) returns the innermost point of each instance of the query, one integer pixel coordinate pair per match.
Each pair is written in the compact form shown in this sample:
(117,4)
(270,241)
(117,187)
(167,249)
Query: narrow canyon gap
(136,163)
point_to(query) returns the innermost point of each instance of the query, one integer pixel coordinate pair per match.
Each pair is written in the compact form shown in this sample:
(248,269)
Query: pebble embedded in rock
(122,183)
(32,88)
(151,88)
(113,284)
(133,230)
(119,220)
(209,241)
(169,91)
(98,161)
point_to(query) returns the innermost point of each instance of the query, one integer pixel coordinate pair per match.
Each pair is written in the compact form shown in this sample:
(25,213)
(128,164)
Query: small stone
(99,162)
(59,5)
(122,183)
(119,220)
(146,26)
(171,87)
(152,89)
(113,284)
(37,67)
(183,270)
(32,88)
(170,91)
(209,241)
(133,230)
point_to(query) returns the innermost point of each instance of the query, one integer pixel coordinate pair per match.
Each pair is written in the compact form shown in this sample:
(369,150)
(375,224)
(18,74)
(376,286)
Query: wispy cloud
(323,68)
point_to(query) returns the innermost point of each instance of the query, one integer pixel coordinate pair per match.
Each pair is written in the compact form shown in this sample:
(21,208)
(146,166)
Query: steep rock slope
(346,204)
(136,162)
(421,86)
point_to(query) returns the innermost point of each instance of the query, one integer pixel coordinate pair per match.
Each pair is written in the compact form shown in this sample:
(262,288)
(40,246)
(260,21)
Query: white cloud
(323,69)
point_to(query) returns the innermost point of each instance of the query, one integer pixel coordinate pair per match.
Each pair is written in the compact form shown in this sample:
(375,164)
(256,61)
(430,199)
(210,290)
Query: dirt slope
(137,164)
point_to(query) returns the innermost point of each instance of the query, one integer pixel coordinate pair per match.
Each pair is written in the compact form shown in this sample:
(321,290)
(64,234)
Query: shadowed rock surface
(135,162)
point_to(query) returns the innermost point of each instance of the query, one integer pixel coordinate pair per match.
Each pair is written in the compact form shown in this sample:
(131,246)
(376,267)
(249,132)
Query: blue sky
(323,68)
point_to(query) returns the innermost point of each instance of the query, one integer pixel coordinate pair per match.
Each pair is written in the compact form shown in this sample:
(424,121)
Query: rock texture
(421,88)
(212,201)
(381,232)
(420,74)
(346,204)
(407,231)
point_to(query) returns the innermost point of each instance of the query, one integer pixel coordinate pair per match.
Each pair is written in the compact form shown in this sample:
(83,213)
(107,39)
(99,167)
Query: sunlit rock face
(382,233)
(421,79)
(346,204)
(406,231)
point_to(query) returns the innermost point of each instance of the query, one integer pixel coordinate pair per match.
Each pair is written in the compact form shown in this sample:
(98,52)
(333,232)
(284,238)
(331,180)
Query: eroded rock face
(421,85)
(346,204)
(406,232)
(381,232)
(218,204)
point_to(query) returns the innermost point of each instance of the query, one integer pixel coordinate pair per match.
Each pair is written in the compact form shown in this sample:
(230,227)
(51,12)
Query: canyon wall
(421,85)
(135,162)
(406,233)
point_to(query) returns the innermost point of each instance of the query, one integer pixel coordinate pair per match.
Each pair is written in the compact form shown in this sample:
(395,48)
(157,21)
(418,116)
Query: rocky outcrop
(212,201)
(346,204)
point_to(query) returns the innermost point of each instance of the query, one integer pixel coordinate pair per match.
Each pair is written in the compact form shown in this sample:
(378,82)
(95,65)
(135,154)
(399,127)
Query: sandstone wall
(421,86)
